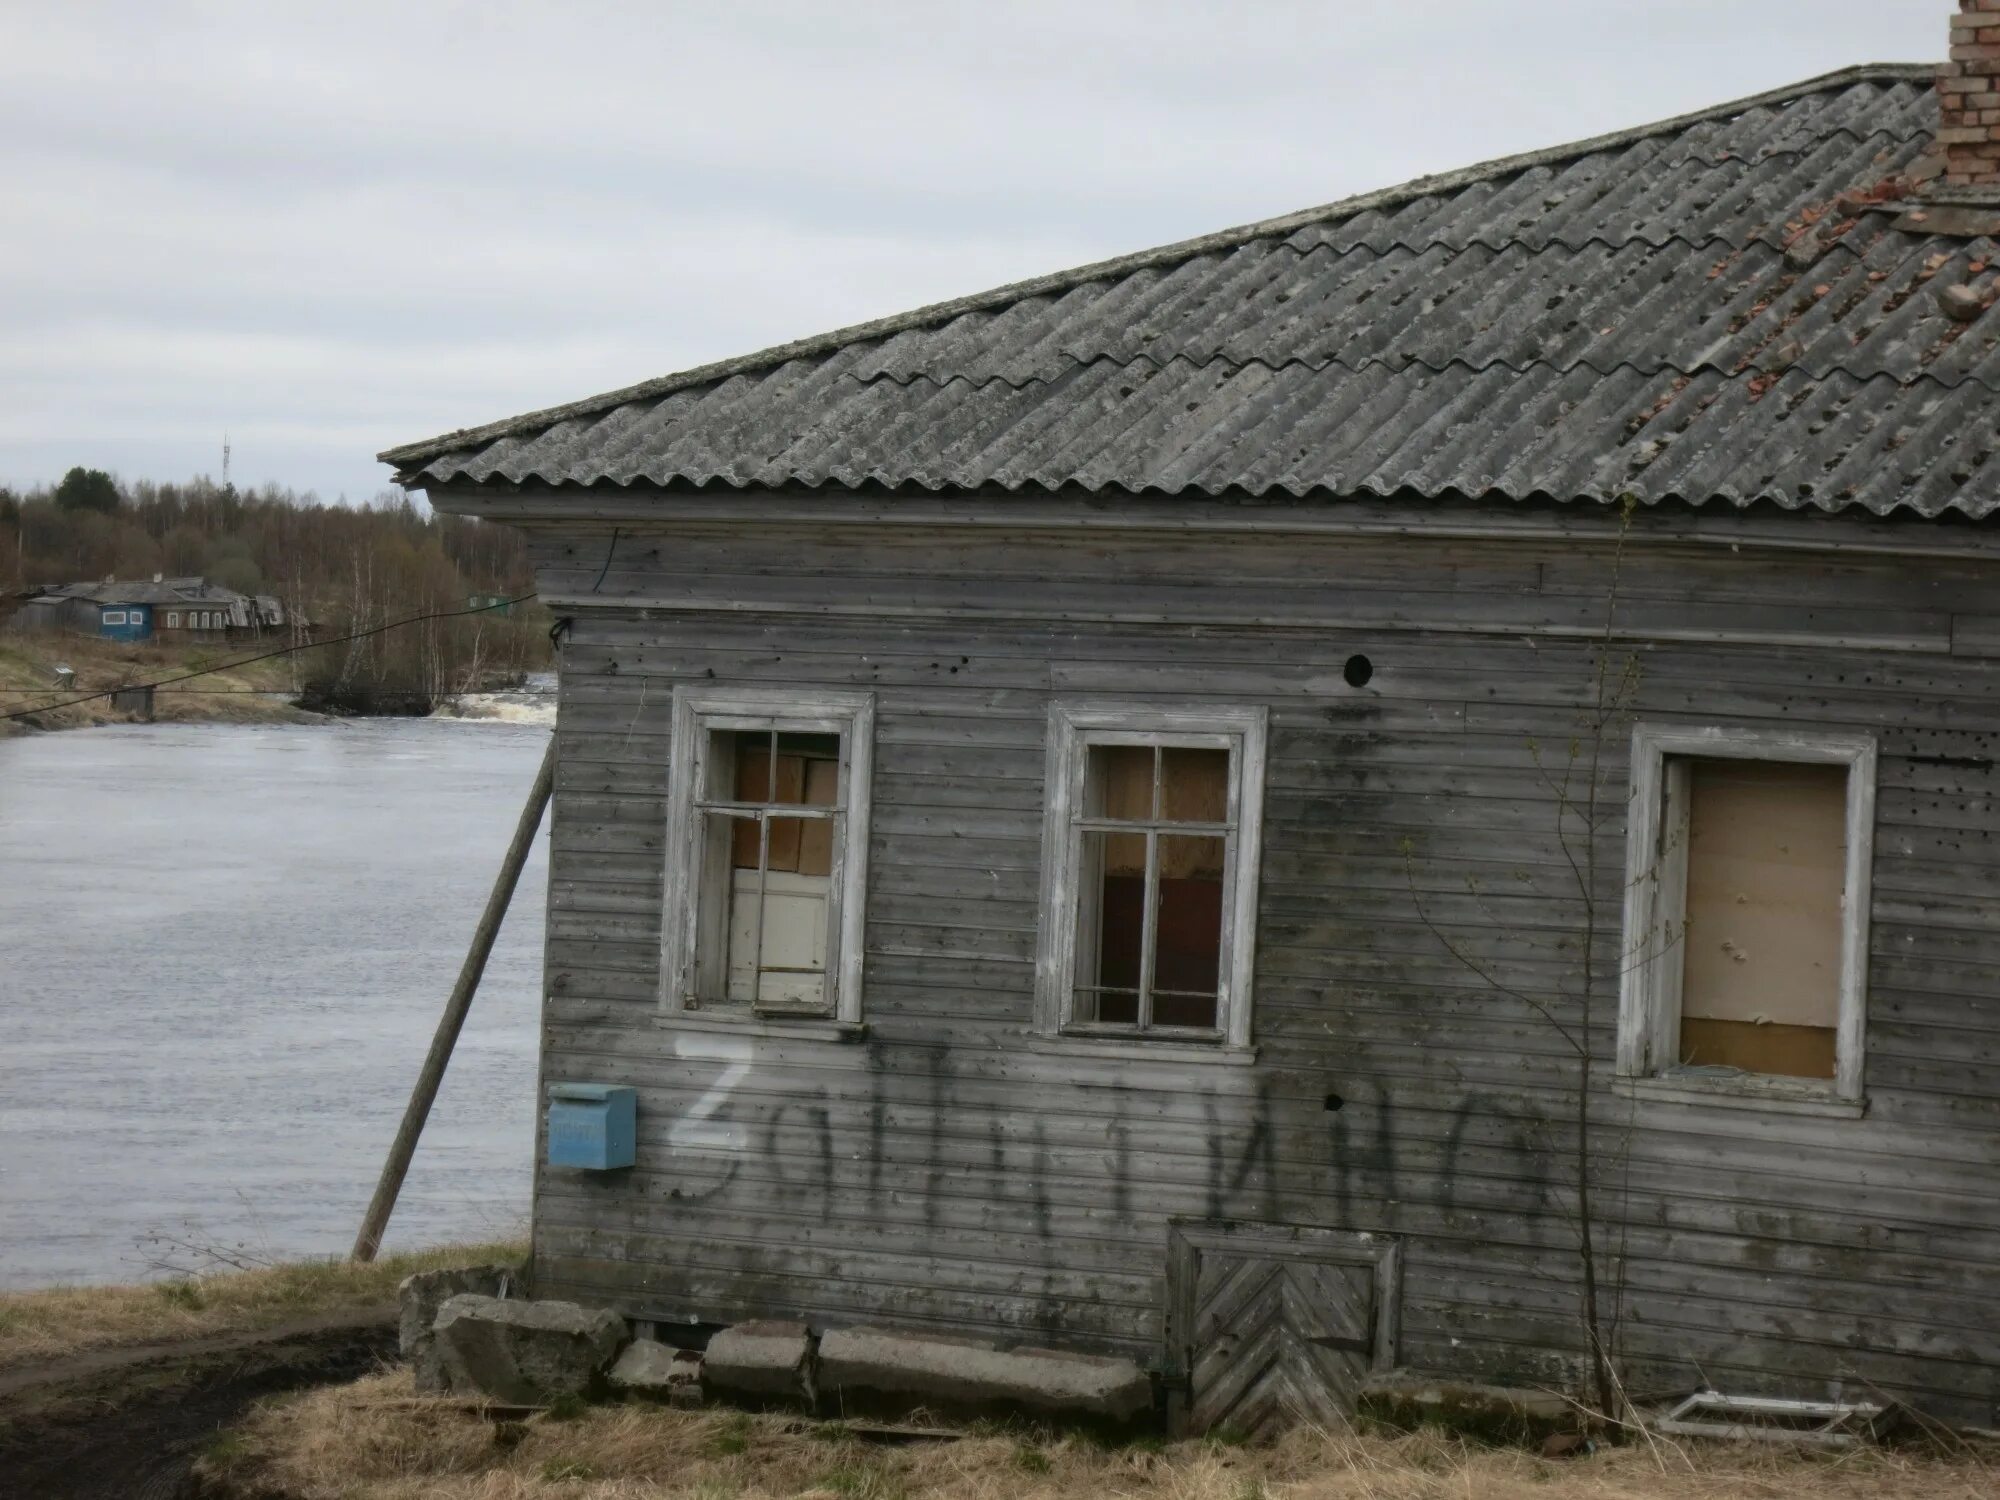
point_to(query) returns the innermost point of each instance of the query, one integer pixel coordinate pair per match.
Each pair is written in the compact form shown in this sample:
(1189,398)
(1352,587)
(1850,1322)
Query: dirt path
(126,1424)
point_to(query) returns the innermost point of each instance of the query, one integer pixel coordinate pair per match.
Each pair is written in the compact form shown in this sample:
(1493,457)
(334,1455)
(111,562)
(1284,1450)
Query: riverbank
(113,1392)
(42,1328)
(259,693)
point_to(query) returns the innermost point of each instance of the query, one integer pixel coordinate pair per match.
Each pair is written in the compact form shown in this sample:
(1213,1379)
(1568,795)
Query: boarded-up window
(773,829)
(1766,858)
(1155,838)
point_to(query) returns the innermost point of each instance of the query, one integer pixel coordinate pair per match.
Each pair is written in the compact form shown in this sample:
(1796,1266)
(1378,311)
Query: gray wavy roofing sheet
(1679,314)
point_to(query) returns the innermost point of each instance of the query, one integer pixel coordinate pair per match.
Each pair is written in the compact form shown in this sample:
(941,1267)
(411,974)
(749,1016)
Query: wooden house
(165,610)
(1112,813)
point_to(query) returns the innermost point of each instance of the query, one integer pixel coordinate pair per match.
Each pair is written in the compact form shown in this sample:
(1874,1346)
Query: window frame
(1074,726)
(1650,990)
(699,712)
(114,617)
(173,621)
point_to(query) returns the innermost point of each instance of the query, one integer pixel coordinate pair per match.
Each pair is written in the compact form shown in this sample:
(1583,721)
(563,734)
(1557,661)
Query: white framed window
(767,853)
(114,617)
(1150,846)
(173,621)
(1749,862)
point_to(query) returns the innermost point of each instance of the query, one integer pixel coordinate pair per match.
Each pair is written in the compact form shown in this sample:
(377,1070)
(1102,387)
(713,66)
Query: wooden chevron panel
(1277,1325)
(1254,1370)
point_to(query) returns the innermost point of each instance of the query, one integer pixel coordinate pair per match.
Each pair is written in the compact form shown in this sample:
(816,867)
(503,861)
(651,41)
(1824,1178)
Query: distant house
(1066,822)
(165,609)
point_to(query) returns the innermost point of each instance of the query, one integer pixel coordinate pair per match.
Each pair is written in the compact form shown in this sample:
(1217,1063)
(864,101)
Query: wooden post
(376,1220)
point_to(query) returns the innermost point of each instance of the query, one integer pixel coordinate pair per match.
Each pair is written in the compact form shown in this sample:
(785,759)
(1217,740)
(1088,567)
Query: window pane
(1766,868)
(802,846)
(780,770)
(791,952)
(759,775)
(772,924)
(1111,927)
(731,914)
(1187,931)
(1118,782)
(816,780)
(1194,785)
(1108,1007)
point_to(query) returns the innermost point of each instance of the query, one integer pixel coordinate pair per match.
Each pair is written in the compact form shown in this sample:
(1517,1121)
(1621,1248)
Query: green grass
(1031,1459)
(731,1438)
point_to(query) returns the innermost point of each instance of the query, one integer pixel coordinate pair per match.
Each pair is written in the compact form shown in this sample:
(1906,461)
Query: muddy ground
(128,1425)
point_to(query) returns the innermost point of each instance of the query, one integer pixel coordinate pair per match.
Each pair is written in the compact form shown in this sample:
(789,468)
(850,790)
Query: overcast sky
(329,229)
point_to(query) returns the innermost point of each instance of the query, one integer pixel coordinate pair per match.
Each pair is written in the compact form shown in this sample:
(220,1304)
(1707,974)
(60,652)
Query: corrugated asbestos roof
(1674,312)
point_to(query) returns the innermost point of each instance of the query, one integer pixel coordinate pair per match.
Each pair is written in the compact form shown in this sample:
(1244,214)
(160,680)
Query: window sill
(803,1028)
(1148,1049)
(1770,1096)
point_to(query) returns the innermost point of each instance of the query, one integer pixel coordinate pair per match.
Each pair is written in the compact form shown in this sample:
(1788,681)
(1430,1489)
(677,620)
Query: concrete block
(768,1361)
(934,1370)
(420,1297)
(524,1352)
(658,1372)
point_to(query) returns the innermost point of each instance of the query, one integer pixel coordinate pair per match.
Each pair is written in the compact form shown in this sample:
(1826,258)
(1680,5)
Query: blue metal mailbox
(592,1125)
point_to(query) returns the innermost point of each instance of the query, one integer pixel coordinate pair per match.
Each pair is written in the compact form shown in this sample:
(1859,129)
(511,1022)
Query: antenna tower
(225,460)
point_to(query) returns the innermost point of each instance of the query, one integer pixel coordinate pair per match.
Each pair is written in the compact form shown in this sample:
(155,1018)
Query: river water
(223,949)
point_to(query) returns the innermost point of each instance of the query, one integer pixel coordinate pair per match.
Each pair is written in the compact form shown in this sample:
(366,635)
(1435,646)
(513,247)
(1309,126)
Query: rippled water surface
(223,949)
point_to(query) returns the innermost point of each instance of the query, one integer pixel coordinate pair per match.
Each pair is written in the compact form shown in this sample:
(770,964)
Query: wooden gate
(1275,1325)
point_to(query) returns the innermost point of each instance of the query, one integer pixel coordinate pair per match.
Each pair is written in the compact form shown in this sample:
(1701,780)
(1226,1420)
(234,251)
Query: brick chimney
(1969,103)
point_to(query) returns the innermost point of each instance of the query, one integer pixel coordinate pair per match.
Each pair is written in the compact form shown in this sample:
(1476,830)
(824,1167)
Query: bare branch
(1416,897)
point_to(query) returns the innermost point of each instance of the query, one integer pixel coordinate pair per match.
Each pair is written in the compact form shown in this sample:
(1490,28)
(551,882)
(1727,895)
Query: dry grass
(374,1441)
(63,1321)
(234,696)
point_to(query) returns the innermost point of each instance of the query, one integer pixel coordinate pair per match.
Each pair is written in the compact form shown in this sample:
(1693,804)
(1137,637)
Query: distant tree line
(337,569)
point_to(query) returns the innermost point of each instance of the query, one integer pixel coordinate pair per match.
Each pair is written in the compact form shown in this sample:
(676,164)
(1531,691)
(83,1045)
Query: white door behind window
(791,970)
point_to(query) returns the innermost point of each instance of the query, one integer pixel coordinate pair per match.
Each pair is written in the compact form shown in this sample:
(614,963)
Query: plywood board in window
(1789,1051)
(1766,862)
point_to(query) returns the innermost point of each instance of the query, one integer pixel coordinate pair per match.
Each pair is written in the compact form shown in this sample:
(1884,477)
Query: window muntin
(173,621)
(1154,835)
(1748,890)
(773,821)
(767,852)
(114,617)
(1150,848)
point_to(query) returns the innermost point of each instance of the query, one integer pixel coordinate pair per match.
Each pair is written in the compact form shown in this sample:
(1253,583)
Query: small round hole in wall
(1357,671)
(1333,1103)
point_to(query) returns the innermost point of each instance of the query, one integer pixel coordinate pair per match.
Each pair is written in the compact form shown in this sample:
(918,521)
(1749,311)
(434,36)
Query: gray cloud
(330,231)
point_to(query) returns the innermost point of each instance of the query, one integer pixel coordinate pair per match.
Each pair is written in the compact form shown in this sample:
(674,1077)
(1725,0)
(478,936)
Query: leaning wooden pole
(376,1220)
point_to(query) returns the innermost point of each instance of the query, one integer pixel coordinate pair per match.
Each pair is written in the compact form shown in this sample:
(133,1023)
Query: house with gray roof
(1405,790)
(162,609)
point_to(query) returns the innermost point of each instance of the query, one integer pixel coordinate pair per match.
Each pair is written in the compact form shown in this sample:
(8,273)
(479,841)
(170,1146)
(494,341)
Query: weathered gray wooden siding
(947,1170)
